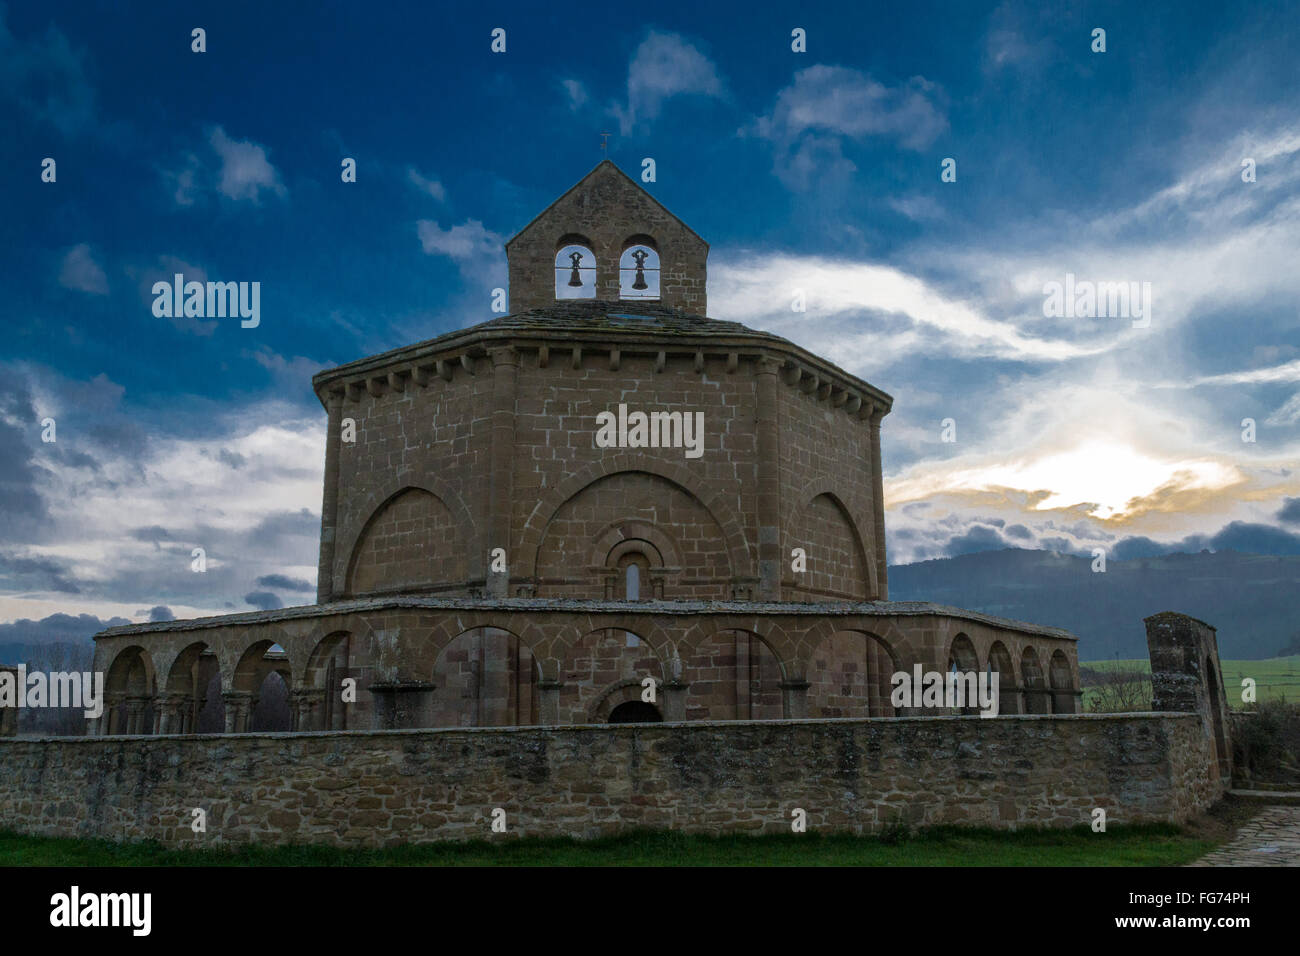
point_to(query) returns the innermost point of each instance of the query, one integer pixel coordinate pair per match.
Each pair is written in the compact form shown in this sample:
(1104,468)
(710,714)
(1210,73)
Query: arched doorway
(635,712)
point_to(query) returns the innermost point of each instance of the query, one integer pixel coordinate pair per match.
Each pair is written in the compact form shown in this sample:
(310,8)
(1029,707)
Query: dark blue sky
(816,170)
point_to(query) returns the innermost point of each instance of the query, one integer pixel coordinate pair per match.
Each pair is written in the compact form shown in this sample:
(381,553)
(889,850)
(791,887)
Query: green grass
(1275,677)
(1154,845)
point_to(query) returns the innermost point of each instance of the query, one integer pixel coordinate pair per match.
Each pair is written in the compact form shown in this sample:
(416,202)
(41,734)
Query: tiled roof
(587,314)
(572,315)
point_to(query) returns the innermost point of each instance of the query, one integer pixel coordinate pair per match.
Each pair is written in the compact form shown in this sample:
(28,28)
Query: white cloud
(1019,37)
(468,243)
(428,186)
(184,182)
(245,170)
(80,271)
(664,65)
(1287,414)
(1288,372)
(165,269)
(1079,430)
(918,208)
(826,105)
(576,93)
(125,502)
(1213,192)
(840,295)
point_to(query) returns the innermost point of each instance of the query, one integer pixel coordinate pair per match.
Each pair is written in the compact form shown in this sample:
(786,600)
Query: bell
(575,279)
(639,281)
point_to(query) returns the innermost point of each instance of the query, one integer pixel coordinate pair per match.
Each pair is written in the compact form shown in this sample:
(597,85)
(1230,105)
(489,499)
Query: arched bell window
(575,269)
(638,269)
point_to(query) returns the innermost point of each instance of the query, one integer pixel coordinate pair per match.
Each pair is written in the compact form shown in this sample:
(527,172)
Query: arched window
(634,570)
(575,269)
(638,269)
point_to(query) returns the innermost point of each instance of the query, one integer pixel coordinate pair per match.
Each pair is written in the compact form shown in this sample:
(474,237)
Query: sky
(1170,160)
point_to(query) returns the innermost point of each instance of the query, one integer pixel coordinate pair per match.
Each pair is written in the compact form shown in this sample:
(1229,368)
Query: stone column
(112,716)
(9,715)
(878,503)
(548,697)
(166,714)
(794,699)
(769,482)
(237,705)
(505,381)
(185,714)
(135,707)
(307,708)
(403,705)
(674,698)
(330,501)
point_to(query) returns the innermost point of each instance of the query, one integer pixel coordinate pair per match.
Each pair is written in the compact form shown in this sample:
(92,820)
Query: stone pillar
(166,714)
(674,699)
(238,706)
(403,705)
(113,715)
(524,684)
(135,708)
(185,710)
(1009,696)
(548,702)
(307,708)
(794,699)
(505,381)
(495,677)
(9,715)
(330,501)
(878,504)
(768,431)
(1186,677)
(746,683)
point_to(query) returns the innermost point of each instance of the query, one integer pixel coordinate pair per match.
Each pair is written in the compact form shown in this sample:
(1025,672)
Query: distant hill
(1253,600)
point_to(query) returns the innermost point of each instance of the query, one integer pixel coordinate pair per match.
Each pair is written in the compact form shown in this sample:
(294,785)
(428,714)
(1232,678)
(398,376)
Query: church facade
(601,507)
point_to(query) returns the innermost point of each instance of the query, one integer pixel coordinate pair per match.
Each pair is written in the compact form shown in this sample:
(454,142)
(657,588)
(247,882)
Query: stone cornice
(572,606)
(454,354)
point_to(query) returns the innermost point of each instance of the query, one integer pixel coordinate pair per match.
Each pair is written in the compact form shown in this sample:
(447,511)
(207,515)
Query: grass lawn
(1275,677)
(1155,845)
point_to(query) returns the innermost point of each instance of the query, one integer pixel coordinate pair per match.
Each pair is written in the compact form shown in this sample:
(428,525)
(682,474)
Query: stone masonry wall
(380,788)
(826,498)
(607,209)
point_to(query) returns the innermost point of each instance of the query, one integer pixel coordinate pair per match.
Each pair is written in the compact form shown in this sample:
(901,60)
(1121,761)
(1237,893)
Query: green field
(1275,677)
(1157,845)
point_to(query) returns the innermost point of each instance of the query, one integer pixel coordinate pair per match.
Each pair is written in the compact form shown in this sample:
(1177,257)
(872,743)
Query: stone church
(486,560)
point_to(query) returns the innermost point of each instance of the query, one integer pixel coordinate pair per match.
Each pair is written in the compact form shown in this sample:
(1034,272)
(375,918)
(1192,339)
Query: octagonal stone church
(525,520)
